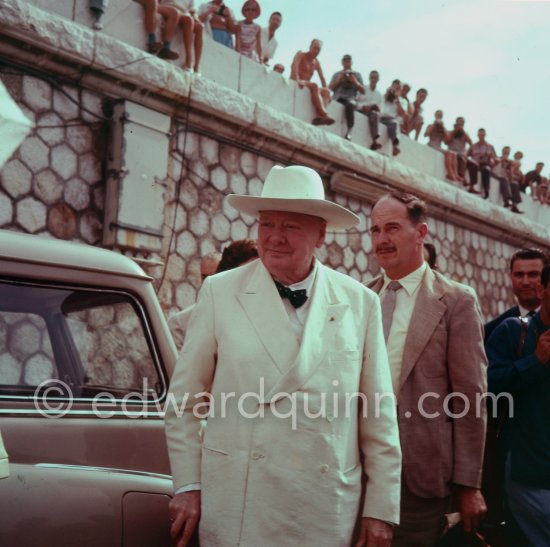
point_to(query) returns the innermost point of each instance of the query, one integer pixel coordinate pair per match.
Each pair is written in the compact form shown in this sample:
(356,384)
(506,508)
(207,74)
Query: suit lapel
(323,321)
(263,306)
(376,284)
(426,315)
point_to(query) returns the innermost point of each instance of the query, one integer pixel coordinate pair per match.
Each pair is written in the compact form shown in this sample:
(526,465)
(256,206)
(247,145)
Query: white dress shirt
(268,46)
(404,306)
(298,316)
(369,97)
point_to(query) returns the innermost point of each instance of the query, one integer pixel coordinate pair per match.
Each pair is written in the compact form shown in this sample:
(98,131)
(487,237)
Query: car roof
(49,251)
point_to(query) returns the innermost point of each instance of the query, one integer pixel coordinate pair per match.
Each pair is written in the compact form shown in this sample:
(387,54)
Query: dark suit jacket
(490,326)
(443,354)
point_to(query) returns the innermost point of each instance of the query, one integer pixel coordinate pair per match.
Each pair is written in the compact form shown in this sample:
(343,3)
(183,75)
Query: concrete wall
(229,126)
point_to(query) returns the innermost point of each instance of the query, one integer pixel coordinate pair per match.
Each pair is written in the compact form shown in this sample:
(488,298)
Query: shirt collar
(524,311)
(306,283)
(410,282)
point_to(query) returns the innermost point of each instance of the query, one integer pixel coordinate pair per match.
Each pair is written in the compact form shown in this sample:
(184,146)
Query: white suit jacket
(270,480)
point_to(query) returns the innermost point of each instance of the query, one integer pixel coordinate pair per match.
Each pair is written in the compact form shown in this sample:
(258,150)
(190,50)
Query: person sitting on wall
(502,171)
(98,9)
(517,178)
(218,22)
(267,35)
(303,67)
(192,31)
(346,84)
(171,16)
(370,103)
(483,158)
(415,120)
(533,179)
(456,141)
(407,107)
(248,39)
(437,133)
(394,113)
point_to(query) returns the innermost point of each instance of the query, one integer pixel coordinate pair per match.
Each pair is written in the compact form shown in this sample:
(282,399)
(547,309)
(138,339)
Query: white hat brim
(336,217)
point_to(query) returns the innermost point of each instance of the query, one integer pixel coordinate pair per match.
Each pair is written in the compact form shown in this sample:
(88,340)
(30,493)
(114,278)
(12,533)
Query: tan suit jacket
(297,480)
(443,354)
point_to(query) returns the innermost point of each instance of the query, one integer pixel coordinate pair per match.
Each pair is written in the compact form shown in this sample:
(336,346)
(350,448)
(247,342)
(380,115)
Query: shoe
(168,54)
(375,146)
(154,47)
(514,209)
(473,191)
(396,150)
(327,120)
(318,120)
(507,204)
(347,136)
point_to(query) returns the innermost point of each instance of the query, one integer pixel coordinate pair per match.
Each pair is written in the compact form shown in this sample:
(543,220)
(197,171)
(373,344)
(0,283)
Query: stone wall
(53,184)
(199,221)
(223,139)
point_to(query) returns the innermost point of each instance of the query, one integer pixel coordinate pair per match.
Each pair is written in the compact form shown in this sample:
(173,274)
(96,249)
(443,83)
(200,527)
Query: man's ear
(540,291)
(422,229)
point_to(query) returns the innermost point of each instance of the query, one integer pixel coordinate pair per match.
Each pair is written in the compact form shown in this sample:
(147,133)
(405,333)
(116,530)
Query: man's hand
(471,506)
(185,512)
(374,533)
(542,353)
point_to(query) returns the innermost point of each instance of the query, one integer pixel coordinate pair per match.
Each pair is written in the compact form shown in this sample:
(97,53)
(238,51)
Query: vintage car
(85,360)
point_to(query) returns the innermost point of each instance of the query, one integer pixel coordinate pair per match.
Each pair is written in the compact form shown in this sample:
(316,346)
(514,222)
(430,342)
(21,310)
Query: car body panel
(89,466)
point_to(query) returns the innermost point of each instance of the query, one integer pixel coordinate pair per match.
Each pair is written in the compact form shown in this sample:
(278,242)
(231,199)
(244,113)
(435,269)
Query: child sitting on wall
(248,32)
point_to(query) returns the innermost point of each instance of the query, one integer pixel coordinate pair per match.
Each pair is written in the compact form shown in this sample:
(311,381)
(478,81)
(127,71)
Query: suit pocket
(208,449)
(344,355)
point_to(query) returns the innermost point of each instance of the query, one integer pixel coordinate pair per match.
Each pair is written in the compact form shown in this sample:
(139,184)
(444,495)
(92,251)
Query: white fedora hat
(295,189)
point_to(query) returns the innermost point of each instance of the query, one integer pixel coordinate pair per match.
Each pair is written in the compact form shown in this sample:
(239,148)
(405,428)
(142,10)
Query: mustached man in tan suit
(280,466)
(435,348)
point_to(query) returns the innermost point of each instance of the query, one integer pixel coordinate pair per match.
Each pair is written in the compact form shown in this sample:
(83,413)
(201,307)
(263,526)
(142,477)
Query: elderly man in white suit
(291,357)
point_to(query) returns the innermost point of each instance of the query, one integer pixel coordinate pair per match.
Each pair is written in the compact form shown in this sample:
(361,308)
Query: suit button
(255,455)
(324,468)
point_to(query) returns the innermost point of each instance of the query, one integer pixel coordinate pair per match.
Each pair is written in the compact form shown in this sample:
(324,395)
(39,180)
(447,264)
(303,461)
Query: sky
(486,60)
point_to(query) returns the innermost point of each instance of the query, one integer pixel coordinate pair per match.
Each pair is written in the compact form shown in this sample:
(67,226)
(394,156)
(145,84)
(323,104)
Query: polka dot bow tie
(296,298)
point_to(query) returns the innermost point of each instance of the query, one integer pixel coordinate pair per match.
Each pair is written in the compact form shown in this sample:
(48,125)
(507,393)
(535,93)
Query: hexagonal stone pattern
(31,215)
(208,222)
(52,185)
(48,187)
(6,209)
(16,178)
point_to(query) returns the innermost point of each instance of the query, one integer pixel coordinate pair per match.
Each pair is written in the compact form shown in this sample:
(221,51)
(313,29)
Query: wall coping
(40,40)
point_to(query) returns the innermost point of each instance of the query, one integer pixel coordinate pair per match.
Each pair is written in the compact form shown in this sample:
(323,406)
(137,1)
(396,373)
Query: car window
(94,341)
(26,355)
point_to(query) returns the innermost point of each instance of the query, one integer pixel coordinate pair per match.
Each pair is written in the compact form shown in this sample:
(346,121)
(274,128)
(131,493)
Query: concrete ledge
(418,168)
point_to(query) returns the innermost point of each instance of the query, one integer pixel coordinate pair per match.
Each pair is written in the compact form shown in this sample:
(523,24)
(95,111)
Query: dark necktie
(296,298)
(388,306)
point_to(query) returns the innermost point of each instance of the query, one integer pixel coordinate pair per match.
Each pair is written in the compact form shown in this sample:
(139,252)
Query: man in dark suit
(519,365)
(525,269)
(434,339)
